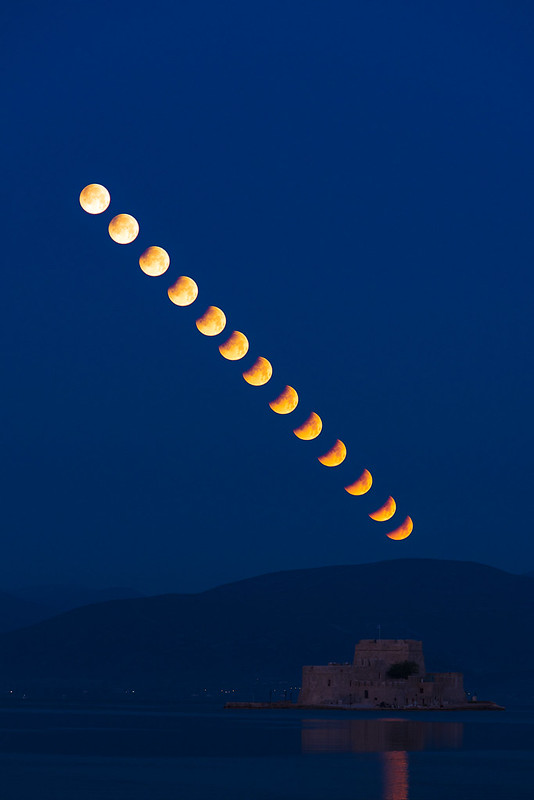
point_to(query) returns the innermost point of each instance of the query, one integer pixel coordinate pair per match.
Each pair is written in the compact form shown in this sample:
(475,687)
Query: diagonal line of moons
(154,261)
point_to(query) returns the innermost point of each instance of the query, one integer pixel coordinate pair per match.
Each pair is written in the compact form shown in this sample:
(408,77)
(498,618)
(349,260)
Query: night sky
(352,183)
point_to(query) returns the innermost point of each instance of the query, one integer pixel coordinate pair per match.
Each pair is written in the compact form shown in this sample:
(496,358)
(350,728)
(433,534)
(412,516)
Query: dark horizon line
(14,588)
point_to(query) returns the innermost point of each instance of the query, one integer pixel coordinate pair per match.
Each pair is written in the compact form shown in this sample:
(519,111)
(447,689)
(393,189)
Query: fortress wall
(449,686)
(343,685)
(331,684)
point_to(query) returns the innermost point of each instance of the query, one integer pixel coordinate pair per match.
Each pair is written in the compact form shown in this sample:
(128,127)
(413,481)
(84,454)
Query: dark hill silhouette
(16,612)
(28,605)
(54,599)
(260,631)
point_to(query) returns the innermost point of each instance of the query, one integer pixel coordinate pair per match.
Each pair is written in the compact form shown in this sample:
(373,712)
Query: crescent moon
(123,228)
(310,428)
(183,292)
(403,531)
(335,455)
(286,402)
(235,347)
(362,485)
(94,198)
(212,321)
(385,512)
(154,261)
(259,373)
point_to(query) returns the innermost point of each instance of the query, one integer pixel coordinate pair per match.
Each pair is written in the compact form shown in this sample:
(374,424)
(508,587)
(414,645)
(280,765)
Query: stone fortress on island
(385,673)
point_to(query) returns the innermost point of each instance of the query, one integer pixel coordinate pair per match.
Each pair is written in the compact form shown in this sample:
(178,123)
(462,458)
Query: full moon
(235,347)
(385,512)
(362,485)
(334,456)
(403,531)
(183,292)
(212,321)
(94,198)
(259,373)
(310,428)
(154,261)
(286,402)
(123,228)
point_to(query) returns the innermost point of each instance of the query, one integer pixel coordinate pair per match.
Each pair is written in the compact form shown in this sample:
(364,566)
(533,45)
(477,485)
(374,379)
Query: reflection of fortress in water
(378,735)
(368,681)
(392,738)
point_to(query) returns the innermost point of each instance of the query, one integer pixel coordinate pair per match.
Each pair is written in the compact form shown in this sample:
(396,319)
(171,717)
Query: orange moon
(212,321)
(310,428)
(286,402)
(94,198)
(154,261)
(259,373)
(403,531)
(335,455)
(362,485)
(123,228)
(183,292)
(385,512)
(235,347)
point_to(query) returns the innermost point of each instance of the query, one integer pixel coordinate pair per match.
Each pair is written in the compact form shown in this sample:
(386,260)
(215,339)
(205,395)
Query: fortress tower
(377,655)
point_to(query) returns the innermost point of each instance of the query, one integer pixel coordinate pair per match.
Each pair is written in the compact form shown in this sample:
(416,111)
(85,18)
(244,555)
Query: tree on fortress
(402,669)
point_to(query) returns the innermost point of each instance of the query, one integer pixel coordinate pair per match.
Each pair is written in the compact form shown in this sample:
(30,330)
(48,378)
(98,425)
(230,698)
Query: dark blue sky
(352,182)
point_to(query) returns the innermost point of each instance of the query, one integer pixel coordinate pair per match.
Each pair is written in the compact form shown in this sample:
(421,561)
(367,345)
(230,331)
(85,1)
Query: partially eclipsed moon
(123,228)
(362,485)
(286,402)
(335,455)
(183,292)
(94,198)
(259,373)
(310,428)
(403,531)
(235,347)
(385,512)
(212,321)
(154,261)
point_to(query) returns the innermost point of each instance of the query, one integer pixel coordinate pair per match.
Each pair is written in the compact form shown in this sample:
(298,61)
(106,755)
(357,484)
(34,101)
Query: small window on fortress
(329,682)
(421,690)
(366,693)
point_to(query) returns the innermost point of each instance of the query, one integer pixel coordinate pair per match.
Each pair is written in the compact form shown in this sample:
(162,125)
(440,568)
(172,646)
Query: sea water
(213,754)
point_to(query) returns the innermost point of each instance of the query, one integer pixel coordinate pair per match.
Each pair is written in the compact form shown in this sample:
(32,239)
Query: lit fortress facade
(372,680)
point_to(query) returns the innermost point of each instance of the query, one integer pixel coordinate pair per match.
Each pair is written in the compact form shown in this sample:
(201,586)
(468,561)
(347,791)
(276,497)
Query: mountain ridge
(260,631)
(32,604)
